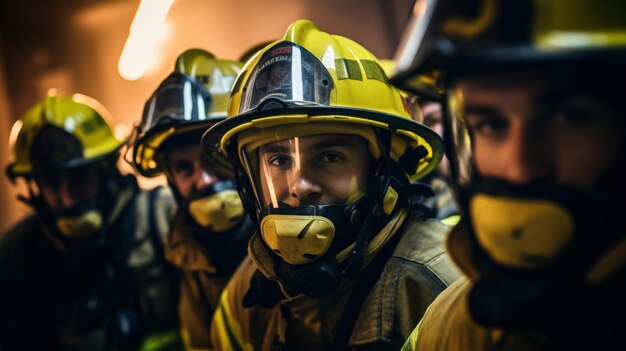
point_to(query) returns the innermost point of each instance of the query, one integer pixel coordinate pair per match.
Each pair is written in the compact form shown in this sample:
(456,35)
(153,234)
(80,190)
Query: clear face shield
(304,183)
(458,140)
(179,100)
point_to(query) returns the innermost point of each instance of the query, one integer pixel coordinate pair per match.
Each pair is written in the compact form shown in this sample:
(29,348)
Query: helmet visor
(308,170)
(178,99)
(287,72)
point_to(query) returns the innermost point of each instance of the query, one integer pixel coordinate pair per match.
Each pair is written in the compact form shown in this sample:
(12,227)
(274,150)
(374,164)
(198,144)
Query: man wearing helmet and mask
(86,271)
(535,120)
(210,231)
(322,163)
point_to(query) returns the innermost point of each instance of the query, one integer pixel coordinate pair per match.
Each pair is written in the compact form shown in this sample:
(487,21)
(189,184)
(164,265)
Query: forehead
(543,85)
(189,151)
(317,142)
(521,82)
(86,174)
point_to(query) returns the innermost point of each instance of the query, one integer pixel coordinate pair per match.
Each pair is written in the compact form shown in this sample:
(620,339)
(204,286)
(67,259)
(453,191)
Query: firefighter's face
(314,170)
(526,127)
(66,189)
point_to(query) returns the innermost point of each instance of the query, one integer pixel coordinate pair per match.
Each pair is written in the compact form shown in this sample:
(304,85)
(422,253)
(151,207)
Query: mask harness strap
(374,212)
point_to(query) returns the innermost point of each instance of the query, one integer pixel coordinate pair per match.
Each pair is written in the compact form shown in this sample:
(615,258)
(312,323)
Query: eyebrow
(335,142)
(565,94)
(279,147)
(274,148)
(482,110)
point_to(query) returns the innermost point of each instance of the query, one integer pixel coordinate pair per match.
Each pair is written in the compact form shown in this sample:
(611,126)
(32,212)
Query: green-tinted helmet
(60,133)
(216,75)
(193,98)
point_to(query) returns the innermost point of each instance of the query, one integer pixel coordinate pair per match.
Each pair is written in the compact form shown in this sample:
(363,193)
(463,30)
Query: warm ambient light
(144,32)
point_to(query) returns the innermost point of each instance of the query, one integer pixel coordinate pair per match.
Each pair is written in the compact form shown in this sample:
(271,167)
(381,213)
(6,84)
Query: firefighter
(322,147)
(535,121)
(86,271)
(210,230)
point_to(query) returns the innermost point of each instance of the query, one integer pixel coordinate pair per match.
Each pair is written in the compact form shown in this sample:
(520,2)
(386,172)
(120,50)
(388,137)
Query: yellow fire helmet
(193,98)
(312,85)
(60,133)
(342,89)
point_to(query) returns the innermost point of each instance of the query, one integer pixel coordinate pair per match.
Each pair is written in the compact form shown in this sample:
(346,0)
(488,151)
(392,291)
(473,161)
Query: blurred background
(75,46)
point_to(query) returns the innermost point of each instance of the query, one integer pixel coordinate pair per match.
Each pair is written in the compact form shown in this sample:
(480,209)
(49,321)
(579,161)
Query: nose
(303,190)
(204,179)
(527,156)
(67,197)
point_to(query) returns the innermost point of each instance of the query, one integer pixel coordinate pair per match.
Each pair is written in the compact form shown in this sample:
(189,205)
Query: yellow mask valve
(80,227)
(298,239)
(219,212)
(520,233)
(390,200)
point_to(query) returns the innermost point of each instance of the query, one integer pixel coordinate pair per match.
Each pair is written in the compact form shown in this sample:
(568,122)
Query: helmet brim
(502,59)
(155,138)
(216,140)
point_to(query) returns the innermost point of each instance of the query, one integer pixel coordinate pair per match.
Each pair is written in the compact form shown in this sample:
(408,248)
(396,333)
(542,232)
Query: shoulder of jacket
(161,202)
(422,241)
(22,237)
(423,245)
(162,196)
(25,227)
(239,282)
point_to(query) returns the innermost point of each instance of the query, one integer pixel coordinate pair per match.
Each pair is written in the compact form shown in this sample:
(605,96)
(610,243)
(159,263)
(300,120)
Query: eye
(487,126)
(183,168)
(331,157)
(572,116)
(279,161)
(49,182)
(80,178)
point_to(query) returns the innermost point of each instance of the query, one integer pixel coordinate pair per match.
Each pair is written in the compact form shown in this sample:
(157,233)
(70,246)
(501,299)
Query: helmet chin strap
(374,213)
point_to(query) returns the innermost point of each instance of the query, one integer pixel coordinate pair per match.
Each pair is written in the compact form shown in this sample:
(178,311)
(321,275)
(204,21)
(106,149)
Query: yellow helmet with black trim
(295,97)
(191,99)
(342,85)
(60,133)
